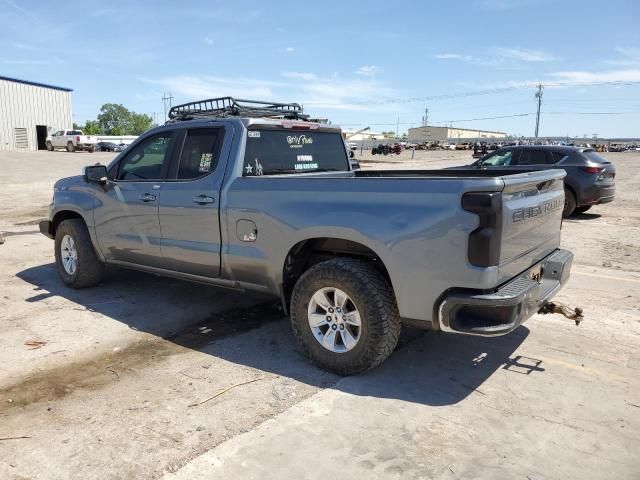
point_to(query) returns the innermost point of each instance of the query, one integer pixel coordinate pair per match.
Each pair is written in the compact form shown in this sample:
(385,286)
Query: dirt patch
(53,384)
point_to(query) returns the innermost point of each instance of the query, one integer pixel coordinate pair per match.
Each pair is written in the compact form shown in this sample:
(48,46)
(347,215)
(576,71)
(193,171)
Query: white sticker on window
(205,162)
(305,158)
(254,134)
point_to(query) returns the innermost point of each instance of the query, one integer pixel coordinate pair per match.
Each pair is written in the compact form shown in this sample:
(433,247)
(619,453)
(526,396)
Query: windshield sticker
(205,162)
(258,167)
(306,166)
(255,169)
(305,158)
(254,134)
(298,141)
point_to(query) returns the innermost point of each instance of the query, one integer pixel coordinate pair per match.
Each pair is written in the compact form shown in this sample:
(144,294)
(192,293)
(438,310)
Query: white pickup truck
(72,140)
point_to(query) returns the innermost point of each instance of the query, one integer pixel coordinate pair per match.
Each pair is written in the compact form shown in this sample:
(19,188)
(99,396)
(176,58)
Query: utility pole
(166,99)
(397,125)
(539,97)
(426,124)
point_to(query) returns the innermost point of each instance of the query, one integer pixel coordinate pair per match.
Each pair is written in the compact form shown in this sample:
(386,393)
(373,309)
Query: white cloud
(208,40)
(481,61)
(450,56)
(192,87)
(630,57)
(299,75)
(290,49)
(499,56)
(524,55)
(367,70)
(578,77)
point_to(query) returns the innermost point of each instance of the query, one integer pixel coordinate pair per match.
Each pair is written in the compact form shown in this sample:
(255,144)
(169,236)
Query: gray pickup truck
(254,196)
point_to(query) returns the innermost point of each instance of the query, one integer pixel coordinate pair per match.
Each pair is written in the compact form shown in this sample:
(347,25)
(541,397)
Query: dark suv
(589,180)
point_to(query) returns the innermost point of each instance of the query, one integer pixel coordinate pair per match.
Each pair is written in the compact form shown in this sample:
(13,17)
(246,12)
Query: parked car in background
(108,147)
(590,178)
(71,140)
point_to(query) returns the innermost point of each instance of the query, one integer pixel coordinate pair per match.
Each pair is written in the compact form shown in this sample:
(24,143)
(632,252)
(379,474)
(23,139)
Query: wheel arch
(311,251)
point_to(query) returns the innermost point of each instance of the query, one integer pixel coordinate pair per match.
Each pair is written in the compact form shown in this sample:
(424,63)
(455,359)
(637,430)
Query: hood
(65,183)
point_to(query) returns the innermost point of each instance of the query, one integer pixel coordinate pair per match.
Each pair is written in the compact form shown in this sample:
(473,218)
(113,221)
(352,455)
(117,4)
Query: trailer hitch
(574,314)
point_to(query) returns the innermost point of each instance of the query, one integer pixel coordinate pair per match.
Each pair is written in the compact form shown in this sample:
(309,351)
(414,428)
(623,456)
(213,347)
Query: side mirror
(95,174)
(351,154)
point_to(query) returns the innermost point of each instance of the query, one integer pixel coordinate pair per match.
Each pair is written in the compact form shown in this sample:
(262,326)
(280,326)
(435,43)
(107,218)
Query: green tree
(114,119)
(92,127)
(139,123)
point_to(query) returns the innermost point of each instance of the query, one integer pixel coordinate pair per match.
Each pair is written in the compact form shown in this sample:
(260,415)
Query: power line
(490,91)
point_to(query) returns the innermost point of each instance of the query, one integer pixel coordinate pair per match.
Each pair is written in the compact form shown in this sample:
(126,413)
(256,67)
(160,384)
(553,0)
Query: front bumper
(505,309)
(45,228)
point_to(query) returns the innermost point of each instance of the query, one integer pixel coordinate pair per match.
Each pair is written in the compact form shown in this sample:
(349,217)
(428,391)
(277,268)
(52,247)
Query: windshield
(273,152)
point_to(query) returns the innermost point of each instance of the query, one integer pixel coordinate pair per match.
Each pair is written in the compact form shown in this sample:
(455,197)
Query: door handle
(147,197)
(203,199)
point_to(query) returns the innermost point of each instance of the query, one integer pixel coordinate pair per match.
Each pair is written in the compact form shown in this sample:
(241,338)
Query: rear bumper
(502,311)
(45,228)
(598,194)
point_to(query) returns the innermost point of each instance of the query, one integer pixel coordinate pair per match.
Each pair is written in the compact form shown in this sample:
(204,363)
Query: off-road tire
(374,298)
(582,209)
(70,147)
(49,146)
(569,203)
(90,269)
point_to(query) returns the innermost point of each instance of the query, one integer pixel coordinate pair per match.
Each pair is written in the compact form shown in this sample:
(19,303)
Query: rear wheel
(76,260)
(344,314)
(70,147)
(569,203)
(91,149)
(582,209)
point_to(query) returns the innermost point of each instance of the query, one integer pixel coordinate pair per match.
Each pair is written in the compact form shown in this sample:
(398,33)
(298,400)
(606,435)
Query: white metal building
(29,111)
(451,134)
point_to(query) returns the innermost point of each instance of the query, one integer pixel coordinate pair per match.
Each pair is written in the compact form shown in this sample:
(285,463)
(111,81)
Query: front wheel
(344,314)
(569,203)
(49,146)
(76,260)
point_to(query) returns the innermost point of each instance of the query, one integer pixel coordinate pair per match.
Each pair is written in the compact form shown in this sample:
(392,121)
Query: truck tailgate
(532,206)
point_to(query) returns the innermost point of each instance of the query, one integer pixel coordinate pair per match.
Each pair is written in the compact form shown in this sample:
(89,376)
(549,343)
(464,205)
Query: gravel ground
(122,382)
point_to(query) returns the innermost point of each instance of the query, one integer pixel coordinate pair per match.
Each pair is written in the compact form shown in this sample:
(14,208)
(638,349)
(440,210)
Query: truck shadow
(429,368)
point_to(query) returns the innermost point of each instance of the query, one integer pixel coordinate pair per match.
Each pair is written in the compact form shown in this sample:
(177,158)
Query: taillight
(484,241)
(593,170)
(78,138)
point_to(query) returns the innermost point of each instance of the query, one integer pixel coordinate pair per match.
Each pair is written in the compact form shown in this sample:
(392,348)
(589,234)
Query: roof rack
(237,107)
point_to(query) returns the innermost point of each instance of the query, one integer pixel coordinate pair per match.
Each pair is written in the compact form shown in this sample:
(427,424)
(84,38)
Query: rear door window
(534,157)
(557,156)
(594,157)
(199,155)
(274,152)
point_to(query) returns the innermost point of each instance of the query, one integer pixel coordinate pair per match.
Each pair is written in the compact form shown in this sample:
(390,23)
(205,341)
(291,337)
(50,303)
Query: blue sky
(365,63)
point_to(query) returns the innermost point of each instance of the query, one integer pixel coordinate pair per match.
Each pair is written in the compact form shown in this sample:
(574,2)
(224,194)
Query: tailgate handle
(544,185)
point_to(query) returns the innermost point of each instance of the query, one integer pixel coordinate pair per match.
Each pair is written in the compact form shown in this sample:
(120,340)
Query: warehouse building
(29,111)
(452,134)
